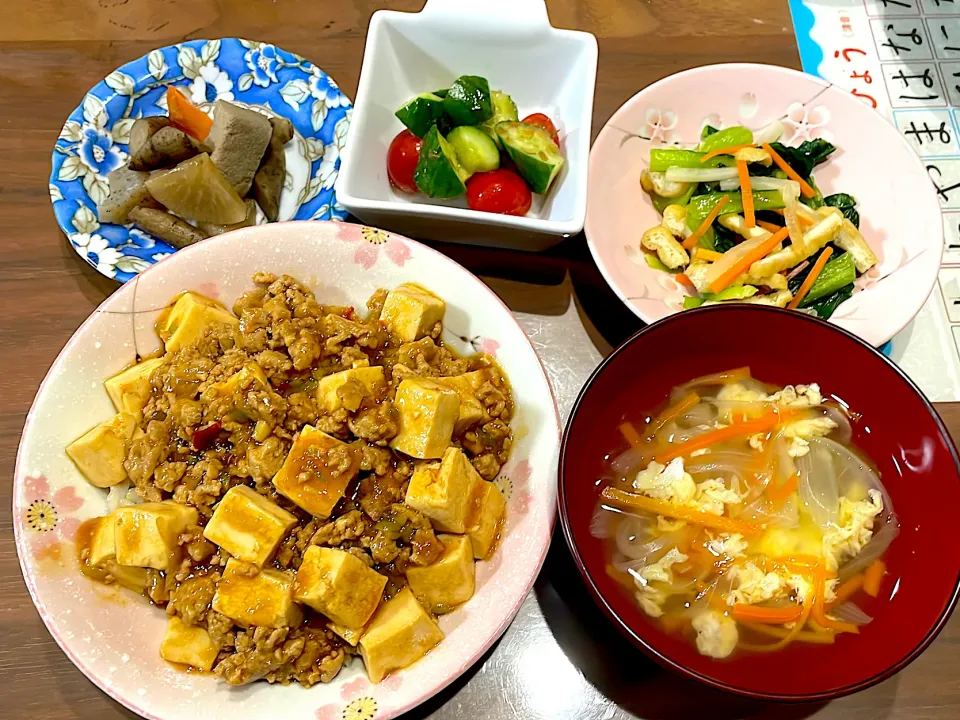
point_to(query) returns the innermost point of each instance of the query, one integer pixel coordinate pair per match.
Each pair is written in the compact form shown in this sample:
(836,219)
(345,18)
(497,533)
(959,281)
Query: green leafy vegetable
(661,203)
(707,131)
(817,200)
(837,273)
(661,159)
(734,292)
(826,306)
(847,204)
(736,135)
(701,205)
(723,239)
(805,157)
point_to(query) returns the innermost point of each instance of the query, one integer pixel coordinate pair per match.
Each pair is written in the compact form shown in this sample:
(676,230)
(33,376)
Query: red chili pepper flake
(205,437)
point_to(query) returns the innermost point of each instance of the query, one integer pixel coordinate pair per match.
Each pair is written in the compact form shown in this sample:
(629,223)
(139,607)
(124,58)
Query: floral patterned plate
(900,215)
(114,636)
(94,138)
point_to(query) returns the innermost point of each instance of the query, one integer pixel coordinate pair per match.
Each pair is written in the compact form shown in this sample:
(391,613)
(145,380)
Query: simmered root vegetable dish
(742,519)
(296,484)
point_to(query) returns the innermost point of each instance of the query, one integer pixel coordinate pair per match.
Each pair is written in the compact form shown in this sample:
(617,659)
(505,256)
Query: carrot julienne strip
(811,278)
(631,435)
(692,239)
(708,255)
(729,150)
(712,437)
(746,194)
(873,576)
(805,189)
(766,615)
(847,590)
(744,263)
(636,501)
(769,226)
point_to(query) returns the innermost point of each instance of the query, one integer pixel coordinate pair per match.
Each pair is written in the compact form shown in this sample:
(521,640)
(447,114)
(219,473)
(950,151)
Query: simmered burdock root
(296,462)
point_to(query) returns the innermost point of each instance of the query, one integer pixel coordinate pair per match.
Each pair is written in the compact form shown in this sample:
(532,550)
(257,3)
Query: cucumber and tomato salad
(458,141)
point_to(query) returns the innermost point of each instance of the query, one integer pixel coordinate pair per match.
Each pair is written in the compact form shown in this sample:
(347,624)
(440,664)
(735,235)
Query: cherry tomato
(402,158)
(546,123)
(500,191)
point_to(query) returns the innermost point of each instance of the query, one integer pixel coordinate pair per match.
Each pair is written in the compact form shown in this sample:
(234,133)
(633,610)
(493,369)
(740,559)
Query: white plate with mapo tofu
(295,458)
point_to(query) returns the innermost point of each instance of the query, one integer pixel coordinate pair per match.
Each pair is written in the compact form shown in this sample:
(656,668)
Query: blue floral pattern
(94,138)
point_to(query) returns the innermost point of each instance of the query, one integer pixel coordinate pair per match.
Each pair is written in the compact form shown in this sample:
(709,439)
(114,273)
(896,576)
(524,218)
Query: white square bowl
(513,45)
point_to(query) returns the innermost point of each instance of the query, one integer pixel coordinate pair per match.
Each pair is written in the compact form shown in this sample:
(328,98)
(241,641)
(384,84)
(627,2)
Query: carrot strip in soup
(789,637)
(746,194)
(847,590)
(819,614)
(816,638)
(805,189)
(187,116)
(811,278)
(779,495)
(873,576)
(766,615)
(729,150)
(742,265)
(687,402)
(636,501)
(631,435)
(692,239)
(750,427)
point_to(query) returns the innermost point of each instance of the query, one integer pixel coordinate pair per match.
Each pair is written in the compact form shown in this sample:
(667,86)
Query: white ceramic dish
(114,636)
(513,45)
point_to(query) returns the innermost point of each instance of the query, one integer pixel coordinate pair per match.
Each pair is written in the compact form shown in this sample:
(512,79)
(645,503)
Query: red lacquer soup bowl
(899,430)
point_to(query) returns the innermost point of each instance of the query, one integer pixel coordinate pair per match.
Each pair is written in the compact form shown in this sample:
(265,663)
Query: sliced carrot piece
(746,194)
(630,433)
(741,266)
(816,638)
(750,427)
(691,240)
(708,255)
(729,150)
(819,614)
(769,226)
(779,495)
(187,116)
(766,615)
(685,280)
(847,590)
(805,189)
(637,501)
(811,278)
(873,576)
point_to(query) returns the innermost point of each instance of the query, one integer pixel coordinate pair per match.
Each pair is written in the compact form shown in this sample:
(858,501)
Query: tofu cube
(466,386)
(146,534)
(316,472)
(188,645)
(347,388)
(485,529)
(450,580)
(253,597)
(339,585)
(400,633)
(130,389)
(99,454)
(189,319)
(446,493)
(351,636)
(248,526)
(98,535)
(428,412)
(248,376)
(411,311)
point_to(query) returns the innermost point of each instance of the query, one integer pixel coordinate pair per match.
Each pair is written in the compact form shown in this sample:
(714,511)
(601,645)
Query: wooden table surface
(52,51)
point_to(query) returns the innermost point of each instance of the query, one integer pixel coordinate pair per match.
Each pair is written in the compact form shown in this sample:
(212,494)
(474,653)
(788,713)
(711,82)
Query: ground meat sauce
(194,443)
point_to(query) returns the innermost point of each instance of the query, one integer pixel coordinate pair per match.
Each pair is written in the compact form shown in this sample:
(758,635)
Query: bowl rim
(87,324)
(764,67)
(634,637)
(350,197)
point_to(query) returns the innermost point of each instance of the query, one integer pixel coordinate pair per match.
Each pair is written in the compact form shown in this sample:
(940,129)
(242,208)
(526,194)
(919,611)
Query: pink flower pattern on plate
(802,123)
(370,241)
(46,516)
(659,125)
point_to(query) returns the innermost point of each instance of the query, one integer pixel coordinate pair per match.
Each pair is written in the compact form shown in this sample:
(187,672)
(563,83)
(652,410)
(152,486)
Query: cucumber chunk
(534,152)
(421,113)
(476,152)
(504,110)
(438,173)
(468,101)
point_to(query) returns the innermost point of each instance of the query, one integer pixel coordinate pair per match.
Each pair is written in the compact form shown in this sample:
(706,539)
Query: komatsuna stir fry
(744,221)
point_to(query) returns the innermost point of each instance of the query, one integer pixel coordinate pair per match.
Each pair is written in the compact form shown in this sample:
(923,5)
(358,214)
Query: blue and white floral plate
(94,138)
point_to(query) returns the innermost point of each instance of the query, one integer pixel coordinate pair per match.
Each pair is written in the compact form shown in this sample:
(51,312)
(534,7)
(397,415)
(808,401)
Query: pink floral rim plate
(114,636)
(900,215)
